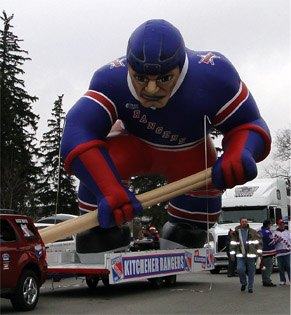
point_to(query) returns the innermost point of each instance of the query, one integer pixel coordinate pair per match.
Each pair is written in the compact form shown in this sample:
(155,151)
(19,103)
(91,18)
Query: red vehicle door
(10,254)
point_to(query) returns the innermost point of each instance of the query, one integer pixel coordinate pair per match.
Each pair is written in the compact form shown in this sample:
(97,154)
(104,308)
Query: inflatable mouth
(151,98)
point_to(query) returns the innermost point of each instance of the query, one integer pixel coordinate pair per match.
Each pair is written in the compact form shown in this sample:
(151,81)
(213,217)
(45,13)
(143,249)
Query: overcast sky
(68,40)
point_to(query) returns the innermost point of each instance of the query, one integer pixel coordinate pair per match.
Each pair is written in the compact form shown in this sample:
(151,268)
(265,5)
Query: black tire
(26,293)
(215,271)
(105,280)
(170,280)
(156,283)
(92,282)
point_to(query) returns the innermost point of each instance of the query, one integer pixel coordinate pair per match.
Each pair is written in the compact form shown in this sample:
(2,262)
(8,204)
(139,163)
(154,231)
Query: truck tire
(215,271)
(92,282)
(26,292)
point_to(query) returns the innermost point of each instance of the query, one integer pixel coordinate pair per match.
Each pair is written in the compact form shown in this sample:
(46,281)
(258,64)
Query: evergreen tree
(18,126)
(158,213)
(58,192)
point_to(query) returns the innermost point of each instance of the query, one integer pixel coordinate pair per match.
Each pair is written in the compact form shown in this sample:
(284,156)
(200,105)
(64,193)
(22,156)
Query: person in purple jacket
(151,112)
(269,251)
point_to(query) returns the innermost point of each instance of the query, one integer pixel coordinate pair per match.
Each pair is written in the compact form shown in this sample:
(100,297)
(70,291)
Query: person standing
(245,246)
(269,252)
(283,238)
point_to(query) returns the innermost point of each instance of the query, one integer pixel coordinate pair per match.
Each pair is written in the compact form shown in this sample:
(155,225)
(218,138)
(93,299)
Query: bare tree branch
(283,145)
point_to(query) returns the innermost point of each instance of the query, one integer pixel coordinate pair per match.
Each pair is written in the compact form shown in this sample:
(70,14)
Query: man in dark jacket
(268,252)
(245,245)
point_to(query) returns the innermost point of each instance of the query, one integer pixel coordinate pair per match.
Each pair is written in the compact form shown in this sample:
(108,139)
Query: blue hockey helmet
(156,47)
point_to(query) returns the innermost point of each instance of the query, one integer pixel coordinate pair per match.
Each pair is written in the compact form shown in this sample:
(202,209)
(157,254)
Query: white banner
(131,266)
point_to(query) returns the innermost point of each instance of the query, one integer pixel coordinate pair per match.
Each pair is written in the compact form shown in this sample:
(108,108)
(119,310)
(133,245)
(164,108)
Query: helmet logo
(117,63)
(208,58)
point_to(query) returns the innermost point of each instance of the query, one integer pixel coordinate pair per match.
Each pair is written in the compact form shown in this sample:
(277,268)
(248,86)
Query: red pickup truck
(23,260)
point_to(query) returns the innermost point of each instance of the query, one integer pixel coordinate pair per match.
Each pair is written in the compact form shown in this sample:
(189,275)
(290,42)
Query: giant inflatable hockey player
(155,99)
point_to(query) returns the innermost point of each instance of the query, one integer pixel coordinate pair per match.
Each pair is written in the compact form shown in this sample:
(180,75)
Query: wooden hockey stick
(148,199)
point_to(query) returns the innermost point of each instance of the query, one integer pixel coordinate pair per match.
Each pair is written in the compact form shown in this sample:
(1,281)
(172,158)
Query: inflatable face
(154,90)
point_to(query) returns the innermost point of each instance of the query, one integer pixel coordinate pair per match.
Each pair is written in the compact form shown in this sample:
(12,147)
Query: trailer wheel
(215,271)
(170,280)
(156,283)
(92,282)
(26,293)
(105,280)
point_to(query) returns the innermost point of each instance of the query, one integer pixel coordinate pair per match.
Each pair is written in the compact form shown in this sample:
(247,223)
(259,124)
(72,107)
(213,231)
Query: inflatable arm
(246,140)
(84,152)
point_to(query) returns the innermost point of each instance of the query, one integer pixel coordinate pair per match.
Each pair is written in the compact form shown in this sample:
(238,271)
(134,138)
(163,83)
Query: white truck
(257,200)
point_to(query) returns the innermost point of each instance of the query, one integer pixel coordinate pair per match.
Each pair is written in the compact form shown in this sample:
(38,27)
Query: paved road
(197,293)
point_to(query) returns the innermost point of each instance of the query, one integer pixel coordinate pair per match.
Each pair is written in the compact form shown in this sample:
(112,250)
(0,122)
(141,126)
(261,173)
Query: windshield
(233,215)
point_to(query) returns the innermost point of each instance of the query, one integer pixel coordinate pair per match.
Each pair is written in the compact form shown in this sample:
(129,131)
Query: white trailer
(157,266)
(257,200)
